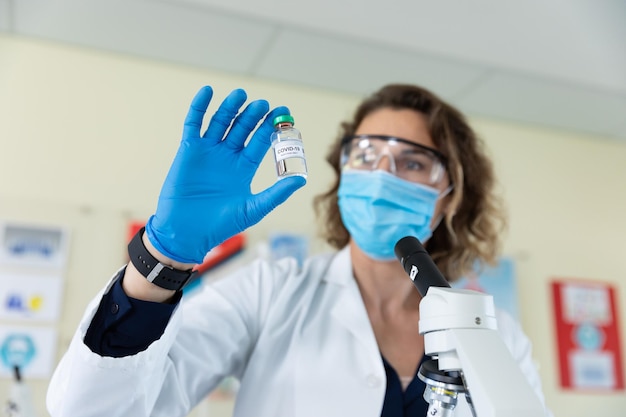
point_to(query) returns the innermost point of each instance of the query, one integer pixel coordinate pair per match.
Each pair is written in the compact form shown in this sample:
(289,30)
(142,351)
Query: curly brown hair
(474,218)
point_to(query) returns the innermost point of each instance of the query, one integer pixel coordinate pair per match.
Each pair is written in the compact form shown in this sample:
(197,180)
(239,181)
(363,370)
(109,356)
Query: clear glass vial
(288,148)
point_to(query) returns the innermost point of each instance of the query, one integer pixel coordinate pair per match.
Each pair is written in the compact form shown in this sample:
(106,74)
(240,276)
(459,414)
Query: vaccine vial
(288,148)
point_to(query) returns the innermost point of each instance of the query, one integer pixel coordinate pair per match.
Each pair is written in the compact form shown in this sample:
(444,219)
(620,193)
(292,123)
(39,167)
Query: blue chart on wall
(17,350)
(498,281)
(29,348)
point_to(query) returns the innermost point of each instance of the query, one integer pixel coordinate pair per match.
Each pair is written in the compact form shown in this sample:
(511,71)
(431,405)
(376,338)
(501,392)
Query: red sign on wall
(588,339)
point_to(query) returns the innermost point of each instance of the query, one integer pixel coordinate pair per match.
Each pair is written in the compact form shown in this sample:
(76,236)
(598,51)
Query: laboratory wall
(87,137)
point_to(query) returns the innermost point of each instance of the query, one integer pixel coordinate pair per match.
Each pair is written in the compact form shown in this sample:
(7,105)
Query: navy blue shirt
(124,326)
(398,403)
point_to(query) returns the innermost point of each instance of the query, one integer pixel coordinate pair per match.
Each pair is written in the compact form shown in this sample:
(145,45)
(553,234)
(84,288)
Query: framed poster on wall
(33,245)
(588,339)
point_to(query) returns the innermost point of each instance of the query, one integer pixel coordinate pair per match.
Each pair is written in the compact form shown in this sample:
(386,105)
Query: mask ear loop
(441,215)
(445,192)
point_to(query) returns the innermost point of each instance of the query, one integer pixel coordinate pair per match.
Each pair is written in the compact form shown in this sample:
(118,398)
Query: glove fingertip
(295,181)
(285,187)
(278,111)
(270,198)
(262,102)
(239,94)
(203,97)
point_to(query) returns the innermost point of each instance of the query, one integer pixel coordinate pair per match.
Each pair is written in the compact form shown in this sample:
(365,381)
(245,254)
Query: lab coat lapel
(349,311)
(354,365)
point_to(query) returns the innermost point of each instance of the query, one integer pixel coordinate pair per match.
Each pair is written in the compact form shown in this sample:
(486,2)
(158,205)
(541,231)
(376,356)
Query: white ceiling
(556,63)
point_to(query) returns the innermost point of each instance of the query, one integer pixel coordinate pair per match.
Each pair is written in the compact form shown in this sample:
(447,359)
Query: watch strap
(155,272)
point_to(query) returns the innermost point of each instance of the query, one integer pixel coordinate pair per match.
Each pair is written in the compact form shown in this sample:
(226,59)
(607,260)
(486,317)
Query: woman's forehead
(402,123)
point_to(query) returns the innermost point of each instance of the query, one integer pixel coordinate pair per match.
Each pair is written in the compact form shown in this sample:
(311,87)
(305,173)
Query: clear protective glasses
(407,160)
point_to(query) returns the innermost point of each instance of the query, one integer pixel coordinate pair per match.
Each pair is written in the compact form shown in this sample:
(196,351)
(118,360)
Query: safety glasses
(405,159)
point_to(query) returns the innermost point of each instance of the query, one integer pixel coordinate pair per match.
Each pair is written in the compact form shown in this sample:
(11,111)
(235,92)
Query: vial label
(289,155)
(288,149)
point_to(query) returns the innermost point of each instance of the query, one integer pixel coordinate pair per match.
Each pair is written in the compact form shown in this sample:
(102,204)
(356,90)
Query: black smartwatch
(162,275)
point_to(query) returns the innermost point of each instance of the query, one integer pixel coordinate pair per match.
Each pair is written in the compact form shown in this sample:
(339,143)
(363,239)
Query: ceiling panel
(559,63)
(352,66)
(554,104)
(580,41)
(5,15)
(157,30)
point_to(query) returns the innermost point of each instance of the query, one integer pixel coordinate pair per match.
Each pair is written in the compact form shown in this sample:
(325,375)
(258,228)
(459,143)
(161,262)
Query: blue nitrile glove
(206,197)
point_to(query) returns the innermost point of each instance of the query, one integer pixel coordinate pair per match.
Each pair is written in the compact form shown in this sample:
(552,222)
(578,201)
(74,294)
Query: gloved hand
(206,197)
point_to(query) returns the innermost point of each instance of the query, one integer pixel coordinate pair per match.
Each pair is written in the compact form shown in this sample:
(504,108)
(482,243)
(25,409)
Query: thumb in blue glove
(206,197)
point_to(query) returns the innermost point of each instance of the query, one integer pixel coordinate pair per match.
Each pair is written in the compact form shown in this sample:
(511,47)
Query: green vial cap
(283,118)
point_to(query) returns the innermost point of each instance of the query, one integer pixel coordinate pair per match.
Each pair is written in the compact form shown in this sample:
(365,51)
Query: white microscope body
(460,331)
(468,355)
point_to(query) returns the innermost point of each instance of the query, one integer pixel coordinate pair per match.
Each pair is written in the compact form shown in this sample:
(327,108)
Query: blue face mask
(378,209)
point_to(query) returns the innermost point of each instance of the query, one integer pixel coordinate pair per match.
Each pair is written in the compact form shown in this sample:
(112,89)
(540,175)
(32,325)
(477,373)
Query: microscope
(467,354)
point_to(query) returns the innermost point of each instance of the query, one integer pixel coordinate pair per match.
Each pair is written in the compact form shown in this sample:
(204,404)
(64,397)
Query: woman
(336,337)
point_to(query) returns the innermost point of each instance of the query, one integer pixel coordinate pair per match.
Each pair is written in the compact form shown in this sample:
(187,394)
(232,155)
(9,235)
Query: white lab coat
(300,342)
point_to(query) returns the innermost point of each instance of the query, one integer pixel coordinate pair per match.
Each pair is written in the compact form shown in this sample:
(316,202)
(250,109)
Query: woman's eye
(417,162)
(414,165)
